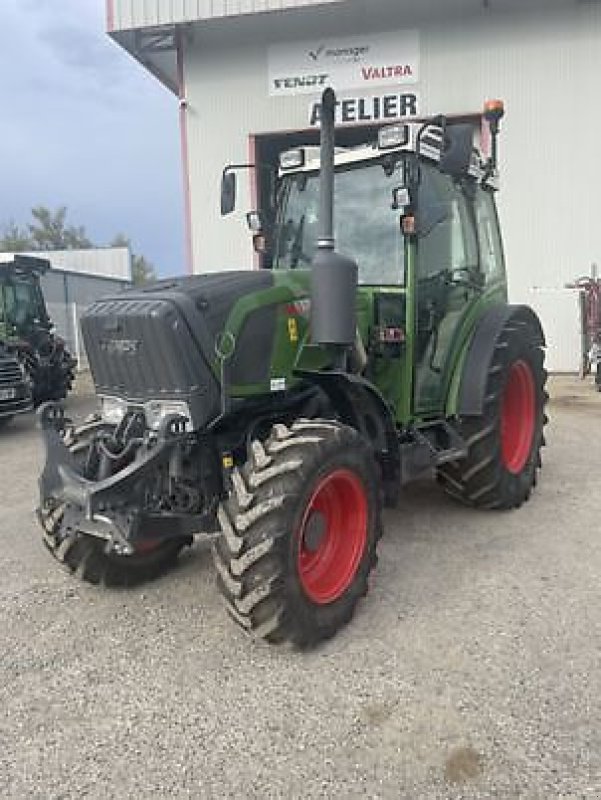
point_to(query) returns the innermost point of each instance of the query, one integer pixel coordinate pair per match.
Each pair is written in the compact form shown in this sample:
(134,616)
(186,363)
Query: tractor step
(430,446)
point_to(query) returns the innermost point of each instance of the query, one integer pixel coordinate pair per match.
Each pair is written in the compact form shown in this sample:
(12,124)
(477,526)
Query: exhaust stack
(333,277)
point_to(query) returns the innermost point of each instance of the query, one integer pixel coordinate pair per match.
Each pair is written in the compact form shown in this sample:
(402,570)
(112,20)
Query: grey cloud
(78,47)
(84,126)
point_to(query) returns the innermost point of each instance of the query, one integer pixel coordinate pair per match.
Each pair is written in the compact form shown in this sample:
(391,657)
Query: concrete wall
(545,66)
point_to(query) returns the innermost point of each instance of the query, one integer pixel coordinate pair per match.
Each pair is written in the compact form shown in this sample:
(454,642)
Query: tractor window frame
(490,241)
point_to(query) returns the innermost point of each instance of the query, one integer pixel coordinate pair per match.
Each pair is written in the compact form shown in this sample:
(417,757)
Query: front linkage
(113,498)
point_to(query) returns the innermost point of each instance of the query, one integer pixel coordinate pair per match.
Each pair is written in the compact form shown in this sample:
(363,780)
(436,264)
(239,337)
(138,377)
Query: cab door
(448,280)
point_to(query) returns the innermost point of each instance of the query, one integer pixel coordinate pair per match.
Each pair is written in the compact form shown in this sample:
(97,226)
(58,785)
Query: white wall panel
(127,14)
(559,312)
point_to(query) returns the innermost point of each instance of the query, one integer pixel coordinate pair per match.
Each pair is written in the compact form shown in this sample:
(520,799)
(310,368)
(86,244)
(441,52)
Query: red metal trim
(183,130)
(110,15)
(485,138)
(254,187)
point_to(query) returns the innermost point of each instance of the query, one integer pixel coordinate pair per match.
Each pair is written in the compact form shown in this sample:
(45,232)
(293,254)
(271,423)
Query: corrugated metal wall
(559,312)
(545,66)
(107,262)
(67,296)
(125,14)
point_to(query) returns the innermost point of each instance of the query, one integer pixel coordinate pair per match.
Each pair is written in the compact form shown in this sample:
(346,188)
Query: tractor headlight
(156,410)
(393,136)
(292,159)
(112,409)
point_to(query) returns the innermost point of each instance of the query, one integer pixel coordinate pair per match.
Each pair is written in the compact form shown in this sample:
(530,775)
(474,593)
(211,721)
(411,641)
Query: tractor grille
(11,378)
(10,373)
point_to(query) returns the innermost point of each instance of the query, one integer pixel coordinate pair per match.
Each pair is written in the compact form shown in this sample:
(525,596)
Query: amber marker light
(494,110)
(408,225)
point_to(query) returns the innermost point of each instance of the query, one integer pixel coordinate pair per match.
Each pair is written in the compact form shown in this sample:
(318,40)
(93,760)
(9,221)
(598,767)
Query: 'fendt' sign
(353,62)
(301,84)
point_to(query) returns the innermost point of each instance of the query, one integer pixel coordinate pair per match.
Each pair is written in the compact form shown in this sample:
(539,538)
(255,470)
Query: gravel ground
(472,670)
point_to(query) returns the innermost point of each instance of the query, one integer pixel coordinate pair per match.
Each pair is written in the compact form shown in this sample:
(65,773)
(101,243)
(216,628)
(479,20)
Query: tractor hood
(159,342)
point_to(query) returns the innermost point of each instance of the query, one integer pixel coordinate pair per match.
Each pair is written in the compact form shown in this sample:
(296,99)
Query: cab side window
(492,263)
(448,242)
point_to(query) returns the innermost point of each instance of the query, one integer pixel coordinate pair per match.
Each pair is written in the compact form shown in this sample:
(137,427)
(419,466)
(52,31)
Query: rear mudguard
(480,353)
(113,508)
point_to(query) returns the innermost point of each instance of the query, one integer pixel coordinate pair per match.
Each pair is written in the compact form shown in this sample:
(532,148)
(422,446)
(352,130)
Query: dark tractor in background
(35,365)
(277,410)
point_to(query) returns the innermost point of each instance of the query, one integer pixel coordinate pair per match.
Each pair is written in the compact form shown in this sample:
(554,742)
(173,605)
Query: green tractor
(277,411)
(35,365)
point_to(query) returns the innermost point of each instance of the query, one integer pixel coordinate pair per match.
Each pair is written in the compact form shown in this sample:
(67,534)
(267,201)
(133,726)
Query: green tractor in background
(278,410)
(35,365)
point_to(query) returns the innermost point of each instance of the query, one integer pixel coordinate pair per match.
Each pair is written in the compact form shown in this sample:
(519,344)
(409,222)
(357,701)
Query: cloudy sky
(84,125)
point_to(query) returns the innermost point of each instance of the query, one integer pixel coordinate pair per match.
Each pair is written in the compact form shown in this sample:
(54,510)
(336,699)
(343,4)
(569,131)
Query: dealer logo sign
(386,59)
(353,53)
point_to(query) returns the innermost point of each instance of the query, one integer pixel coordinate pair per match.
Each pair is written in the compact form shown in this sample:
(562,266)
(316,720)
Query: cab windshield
(19,303)
(366,226)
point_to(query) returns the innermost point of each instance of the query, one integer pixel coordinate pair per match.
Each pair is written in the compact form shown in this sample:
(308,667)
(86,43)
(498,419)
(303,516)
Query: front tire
(504,443)
(299,533)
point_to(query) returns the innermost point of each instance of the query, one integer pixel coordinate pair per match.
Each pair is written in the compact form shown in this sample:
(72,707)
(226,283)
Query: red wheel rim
(518,417)
(332,536)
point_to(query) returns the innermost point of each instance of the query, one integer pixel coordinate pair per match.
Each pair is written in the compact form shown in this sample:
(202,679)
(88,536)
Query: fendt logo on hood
(120,347)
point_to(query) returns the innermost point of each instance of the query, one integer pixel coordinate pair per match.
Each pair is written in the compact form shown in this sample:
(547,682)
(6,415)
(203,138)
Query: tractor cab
(38,357)
(415,208)
(22,305)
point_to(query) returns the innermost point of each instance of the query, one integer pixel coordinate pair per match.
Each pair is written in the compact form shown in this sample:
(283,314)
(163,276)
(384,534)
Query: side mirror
(228,193)
(458,147)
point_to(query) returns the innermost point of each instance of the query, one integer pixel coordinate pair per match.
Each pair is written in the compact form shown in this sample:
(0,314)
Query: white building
(248,73)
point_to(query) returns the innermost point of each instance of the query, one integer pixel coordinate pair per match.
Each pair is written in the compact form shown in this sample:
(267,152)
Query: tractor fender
(481,349)
(359,404)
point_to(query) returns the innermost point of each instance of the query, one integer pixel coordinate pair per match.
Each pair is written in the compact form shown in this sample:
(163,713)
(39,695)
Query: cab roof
(430,138)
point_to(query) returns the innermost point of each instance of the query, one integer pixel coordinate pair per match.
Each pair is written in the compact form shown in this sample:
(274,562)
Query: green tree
(142,271)
(15,239)
(49,230)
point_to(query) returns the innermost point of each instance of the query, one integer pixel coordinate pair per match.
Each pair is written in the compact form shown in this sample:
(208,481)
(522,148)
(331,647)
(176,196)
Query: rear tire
(86,556)
(504,444)
(299,533)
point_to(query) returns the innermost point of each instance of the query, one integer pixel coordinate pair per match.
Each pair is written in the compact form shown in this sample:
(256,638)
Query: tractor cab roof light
(393,136)
(292,159)
(494,109)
